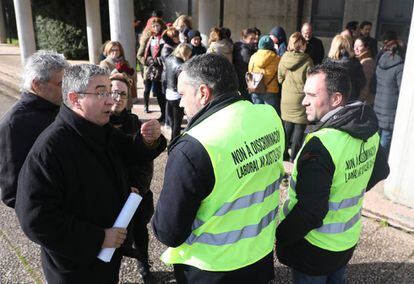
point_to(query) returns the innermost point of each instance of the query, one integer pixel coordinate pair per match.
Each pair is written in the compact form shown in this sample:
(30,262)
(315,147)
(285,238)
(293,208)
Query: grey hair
(41,66)
(76,79)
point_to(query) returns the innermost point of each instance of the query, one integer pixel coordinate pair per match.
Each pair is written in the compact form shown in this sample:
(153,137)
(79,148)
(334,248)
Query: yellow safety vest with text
(235,224)
(354,162)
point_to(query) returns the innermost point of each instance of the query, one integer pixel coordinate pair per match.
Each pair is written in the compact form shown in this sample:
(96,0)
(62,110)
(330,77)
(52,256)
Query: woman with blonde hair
(292,75)
(172,69)
(341,52)
(183,25)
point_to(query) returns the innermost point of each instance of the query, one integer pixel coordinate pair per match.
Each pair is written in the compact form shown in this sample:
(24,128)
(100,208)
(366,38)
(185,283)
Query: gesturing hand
(151,131)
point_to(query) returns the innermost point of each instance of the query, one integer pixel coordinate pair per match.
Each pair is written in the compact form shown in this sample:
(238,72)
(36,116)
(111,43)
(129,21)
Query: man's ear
(74,100)
(206,94)
(337,99)
(36,86)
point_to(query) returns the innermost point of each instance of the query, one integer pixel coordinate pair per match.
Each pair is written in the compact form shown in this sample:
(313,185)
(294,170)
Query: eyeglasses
(114,50)
(116,96)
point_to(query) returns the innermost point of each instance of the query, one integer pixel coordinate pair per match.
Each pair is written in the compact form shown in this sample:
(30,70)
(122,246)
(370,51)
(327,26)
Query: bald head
(307,31)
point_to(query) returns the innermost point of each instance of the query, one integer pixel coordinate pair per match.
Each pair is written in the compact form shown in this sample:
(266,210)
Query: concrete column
(399,185)
(121,20)
(93,29)
(208,17)
(24,22)
(3,36)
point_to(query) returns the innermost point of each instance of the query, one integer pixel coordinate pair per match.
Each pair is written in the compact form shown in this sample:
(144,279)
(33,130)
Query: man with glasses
(74,181)
(37,108)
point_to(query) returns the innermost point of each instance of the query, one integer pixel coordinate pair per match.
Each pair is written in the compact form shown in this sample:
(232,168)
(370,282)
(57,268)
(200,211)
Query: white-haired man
(37,108)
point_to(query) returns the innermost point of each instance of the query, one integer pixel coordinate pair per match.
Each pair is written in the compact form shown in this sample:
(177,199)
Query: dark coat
(189,178)
(315,164)
(198,50)
(388,82)
(356,73)
(19,129)
(314,48)
(172,70)
(241,57)
(72,186)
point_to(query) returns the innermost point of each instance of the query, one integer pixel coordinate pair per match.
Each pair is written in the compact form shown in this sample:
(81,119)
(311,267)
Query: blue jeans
(385,140)
(272,99)
(338,277)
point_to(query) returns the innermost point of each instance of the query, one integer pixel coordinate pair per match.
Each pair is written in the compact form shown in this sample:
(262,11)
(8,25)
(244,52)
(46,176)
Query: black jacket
(241,57)
(315,50)
(315,173)
(172,70)
(356,73)
(19,129)
(189,178)
(388,82)
(197,50)
(140,175)
(72,186)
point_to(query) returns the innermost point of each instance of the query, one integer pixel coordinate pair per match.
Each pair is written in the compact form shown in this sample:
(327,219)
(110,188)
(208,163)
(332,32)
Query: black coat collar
(37,102)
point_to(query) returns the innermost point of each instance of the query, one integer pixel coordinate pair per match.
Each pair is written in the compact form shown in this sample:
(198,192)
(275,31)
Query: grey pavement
(385,253)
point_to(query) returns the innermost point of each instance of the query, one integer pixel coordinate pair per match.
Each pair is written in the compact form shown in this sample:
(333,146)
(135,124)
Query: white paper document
(122,221)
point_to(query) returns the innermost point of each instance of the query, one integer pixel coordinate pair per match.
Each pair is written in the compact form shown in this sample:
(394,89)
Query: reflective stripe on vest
(247,231)
(240,212)
(353,162)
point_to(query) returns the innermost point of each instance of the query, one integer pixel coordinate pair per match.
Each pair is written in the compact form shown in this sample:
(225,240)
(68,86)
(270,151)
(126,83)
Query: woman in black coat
(388,82)
(172,70)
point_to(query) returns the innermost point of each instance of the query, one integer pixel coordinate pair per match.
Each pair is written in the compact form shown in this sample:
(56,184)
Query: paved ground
(384,255)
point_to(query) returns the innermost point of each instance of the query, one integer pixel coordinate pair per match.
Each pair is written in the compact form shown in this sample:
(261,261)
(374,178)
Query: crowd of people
(72,151)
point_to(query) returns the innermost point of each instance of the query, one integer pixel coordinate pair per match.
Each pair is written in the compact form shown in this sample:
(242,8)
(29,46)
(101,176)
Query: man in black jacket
(74,181)
(205,195)
(320,180)
(37,108)
(314,46)
(365,31)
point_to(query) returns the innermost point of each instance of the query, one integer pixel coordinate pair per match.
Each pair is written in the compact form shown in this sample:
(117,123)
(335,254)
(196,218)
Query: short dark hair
(157,13)
(365,23)
(246,32)
(389,35)
(352,25)
(214,70)
(336,78)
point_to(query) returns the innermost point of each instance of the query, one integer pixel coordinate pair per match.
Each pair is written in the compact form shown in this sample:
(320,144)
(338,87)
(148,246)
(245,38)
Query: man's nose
(305,101)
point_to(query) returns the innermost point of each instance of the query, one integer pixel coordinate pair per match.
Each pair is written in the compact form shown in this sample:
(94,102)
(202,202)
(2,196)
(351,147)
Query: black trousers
(140,221)
(156,87)
(176,113)
(294,132)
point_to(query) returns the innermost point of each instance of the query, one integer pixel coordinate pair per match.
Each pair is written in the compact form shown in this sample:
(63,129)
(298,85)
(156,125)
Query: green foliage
(61,26)
(60,36)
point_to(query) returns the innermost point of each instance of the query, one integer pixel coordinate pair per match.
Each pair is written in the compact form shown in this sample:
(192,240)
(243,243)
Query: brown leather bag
(255,82)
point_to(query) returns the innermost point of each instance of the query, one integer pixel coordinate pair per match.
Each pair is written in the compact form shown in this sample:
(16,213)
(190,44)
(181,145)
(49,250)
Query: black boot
(144,271)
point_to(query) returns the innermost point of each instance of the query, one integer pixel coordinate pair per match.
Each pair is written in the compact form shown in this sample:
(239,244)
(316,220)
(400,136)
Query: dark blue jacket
(388,81)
